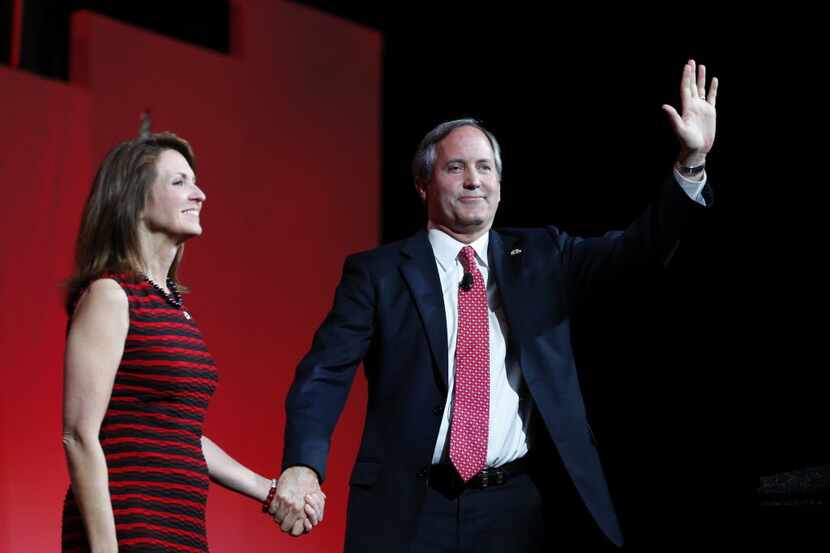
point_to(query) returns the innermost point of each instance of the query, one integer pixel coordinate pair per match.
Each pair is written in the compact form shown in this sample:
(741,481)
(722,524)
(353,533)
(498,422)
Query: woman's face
(175,201)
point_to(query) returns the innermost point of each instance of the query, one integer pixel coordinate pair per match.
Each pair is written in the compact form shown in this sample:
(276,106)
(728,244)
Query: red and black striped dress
(152,429)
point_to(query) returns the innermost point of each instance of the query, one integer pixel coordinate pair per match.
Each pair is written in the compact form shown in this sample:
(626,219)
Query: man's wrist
(689,158)
(303,470)
(691,172)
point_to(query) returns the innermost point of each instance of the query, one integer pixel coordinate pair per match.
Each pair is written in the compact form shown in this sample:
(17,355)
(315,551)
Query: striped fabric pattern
(151,433)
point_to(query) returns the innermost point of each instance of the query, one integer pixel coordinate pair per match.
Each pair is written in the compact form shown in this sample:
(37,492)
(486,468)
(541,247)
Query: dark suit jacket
(389,313)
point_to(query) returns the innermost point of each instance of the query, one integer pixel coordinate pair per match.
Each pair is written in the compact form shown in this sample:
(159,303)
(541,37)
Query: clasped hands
(299,503)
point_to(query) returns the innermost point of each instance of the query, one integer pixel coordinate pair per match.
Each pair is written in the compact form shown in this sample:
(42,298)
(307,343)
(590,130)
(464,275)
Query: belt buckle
(492,477)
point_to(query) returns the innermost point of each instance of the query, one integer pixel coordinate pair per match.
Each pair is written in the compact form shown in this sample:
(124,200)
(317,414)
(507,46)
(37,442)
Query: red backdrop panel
(44,174)
(286,133)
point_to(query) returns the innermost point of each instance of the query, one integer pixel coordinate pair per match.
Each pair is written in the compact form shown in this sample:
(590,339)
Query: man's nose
(472,179)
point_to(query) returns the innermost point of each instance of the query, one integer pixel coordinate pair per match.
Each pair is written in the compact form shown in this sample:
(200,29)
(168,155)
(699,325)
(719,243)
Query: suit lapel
(421,275)
(507,257)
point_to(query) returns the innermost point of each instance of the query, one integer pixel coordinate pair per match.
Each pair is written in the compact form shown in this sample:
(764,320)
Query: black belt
(445,479)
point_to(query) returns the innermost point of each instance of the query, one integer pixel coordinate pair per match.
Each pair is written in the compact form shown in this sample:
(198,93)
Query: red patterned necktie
(471,406)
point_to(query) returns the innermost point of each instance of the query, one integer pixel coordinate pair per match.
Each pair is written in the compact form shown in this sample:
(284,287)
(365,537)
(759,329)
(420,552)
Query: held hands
(695,126)
(299,503)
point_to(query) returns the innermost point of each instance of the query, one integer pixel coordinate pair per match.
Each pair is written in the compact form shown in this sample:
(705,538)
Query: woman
(138,376)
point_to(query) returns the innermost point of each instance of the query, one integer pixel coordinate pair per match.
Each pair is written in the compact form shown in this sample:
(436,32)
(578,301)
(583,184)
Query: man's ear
(421,188)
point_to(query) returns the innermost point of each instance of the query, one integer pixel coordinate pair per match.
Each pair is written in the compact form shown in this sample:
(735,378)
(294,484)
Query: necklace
(173,297)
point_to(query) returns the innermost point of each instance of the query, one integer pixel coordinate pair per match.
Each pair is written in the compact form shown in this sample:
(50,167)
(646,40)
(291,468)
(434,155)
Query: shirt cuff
(692,188)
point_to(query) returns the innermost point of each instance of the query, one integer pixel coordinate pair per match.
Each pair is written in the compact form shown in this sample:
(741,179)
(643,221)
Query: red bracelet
(267,503)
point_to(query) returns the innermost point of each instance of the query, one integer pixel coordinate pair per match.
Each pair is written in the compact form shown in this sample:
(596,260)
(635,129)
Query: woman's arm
(93,352)
(227,472)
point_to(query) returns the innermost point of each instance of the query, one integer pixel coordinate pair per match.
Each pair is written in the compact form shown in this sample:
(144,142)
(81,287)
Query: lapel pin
(517,251)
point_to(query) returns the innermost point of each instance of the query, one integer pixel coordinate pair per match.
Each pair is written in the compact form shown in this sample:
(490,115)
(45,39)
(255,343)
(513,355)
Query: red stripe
(154,429)
(141,454)
(164,404)
(120,387)
(166,337)
(147,299)
(133,285)
(127,440)
(185,548)
(141,373)
(164,363)
(163,529)
(160,416)
(173,378)
(163,500)
(155,310)
(171,349)
(126,283)
(205,396)
(161,485)
(139,511)
(165,470)
(162,324)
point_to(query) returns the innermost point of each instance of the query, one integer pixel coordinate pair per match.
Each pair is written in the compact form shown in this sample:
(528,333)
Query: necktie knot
(468,258)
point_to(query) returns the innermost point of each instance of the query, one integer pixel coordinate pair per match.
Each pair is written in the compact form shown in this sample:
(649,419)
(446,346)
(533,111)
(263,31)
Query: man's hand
(695,128)
(299,503)
(315,506)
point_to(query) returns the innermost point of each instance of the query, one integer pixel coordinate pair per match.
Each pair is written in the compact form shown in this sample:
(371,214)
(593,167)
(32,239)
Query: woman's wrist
(269,497)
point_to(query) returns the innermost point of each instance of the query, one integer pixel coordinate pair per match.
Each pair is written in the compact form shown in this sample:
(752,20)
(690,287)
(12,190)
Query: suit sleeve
(651,240)
(325,375)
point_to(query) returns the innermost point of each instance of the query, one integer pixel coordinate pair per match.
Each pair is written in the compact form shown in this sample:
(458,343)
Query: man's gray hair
(424,161)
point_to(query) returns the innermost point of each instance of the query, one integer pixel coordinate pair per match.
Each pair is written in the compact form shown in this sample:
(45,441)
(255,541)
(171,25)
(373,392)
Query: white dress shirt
(510,405)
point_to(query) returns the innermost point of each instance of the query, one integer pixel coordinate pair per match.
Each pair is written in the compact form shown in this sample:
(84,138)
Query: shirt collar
(446,248)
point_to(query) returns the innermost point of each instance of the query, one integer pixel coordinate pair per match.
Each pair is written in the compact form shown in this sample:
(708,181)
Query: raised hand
(695,126)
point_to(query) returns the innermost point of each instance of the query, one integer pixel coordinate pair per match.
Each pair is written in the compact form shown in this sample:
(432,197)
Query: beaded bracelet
(267,503)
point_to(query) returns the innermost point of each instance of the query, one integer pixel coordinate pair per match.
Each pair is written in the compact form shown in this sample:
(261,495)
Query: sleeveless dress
(151,432)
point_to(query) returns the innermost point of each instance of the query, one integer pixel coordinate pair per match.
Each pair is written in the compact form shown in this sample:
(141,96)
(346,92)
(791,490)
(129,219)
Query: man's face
(465,189)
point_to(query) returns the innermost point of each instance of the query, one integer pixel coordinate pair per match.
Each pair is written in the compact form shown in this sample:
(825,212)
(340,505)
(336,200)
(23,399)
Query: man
(464,333)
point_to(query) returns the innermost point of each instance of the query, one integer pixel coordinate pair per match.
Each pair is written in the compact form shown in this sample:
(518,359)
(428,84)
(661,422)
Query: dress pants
(532,512)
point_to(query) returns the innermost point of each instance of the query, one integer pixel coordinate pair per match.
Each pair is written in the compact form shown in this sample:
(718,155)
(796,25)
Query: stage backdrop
(286,131)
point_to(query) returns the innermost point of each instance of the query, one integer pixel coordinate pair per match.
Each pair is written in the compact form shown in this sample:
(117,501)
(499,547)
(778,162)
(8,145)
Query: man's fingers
(291,514)
(288,523)
(713,92)
(312,514)
(317,502)
(701,81)
(297,528)
(674,117)
(294,488)
(282,510)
